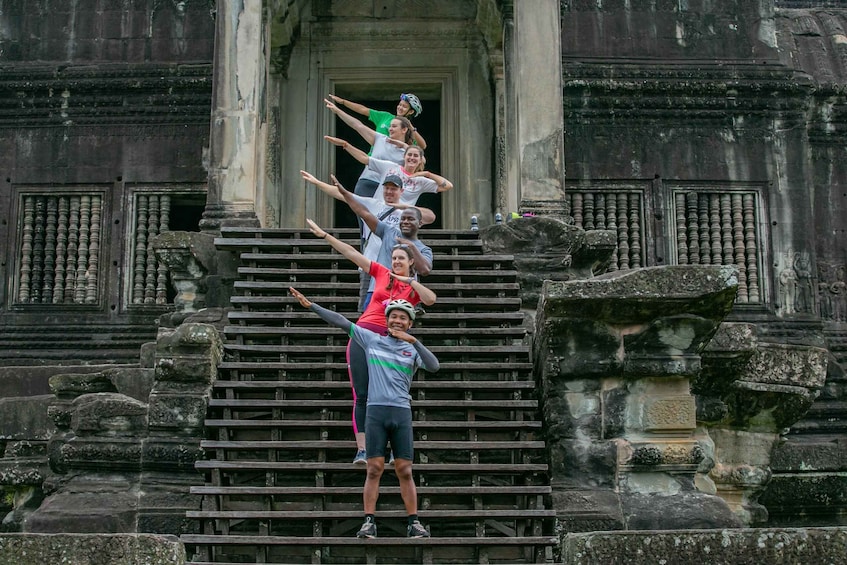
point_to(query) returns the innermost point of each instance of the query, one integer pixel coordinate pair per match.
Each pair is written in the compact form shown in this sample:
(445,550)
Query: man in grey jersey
(392,362)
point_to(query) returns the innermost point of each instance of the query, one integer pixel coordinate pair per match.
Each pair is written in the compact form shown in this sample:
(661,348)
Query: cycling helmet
(414,102)
(403,305)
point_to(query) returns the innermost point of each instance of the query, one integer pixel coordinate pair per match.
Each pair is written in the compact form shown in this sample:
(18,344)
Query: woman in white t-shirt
(384,147)
(416,180)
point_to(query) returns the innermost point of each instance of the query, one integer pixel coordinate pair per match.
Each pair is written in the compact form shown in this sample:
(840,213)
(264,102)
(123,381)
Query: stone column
(615,355)
(234,143)
(536,79)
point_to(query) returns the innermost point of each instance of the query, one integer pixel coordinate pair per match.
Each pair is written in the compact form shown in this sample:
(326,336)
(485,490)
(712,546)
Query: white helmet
(414,102)
(403,305)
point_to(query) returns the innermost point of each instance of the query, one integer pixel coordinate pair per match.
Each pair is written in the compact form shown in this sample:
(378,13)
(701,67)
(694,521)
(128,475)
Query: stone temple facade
(690,134)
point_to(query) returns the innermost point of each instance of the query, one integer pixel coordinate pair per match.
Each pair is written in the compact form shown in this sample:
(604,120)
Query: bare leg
(370,494)
(360,441)
(408,491)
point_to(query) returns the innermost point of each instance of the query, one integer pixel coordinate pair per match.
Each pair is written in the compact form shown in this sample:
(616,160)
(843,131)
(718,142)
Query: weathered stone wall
(126,549)
(824,546)
(99,102)
(673,110)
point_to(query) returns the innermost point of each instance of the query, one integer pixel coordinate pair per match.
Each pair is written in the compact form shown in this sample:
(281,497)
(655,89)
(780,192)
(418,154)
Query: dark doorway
(347,169)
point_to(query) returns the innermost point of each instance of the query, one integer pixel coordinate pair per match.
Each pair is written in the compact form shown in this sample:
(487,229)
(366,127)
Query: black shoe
(416,530)
(368,529)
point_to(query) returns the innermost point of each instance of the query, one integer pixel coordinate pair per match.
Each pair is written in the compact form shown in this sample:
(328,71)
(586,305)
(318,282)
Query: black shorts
(389,423)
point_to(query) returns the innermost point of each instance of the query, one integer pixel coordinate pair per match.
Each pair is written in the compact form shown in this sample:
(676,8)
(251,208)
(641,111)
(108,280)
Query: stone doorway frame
(443,81)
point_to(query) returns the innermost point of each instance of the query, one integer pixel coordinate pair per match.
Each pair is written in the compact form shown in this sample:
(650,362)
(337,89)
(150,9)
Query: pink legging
(357,369)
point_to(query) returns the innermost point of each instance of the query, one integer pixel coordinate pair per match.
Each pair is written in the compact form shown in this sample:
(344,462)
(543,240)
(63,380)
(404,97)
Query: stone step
(464,549)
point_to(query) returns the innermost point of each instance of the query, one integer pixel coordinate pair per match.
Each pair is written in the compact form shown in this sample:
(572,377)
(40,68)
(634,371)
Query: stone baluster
(61,250)
(37,251)
(681,232)
(635,229)
(738,248)
(150,272)
(576,209)
(26,251)
(588,211)
(715,228)
(600,208)
(81,282)
(691,219)
(703,231)
(49,251)
(140,259)
(91,289)
(612,224)
(726,230)
(623,231)
(161,267)
(750,247)
(73,244)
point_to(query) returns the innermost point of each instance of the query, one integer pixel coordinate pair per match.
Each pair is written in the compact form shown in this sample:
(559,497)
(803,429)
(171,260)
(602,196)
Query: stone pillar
(615,356)
(748,394)
(239,81)
(536,80)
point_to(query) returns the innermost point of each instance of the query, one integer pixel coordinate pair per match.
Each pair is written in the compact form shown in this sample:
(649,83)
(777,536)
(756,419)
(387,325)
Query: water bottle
(498,218)
(474,223)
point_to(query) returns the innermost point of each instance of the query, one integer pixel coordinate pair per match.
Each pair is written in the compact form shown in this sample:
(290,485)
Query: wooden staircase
(280,484)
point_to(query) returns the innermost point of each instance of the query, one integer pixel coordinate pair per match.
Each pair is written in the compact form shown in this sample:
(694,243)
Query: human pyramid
(382,356)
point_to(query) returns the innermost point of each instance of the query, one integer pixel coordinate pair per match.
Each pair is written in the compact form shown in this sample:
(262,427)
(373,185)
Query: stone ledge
(717,547)
(91,549)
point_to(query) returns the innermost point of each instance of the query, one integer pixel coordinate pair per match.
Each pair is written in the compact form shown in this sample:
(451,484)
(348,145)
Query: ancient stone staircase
(280,485)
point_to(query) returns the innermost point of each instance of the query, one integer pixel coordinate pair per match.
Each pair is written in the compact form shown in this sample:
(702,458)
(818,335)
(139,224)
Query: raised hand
(316,229)
(304,302)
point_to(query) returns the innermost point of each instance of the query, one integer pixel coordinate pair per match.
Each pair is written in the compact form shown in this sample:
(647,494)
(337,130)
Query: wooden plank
(458,468)
(345,385)
(357,490)
(457,513)
(417,424)
(196,539)
(302,404)
(345,444)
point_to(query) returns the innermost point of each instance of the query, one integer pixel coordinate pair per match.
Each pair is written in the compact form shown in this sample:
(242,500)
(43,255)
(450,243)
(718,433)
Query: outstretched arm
(355,152)
(358,208)
(345,249)
(324,186)
(428,297)
(367,133)
(419,140)
(428,359)
(352,106)
(443,183)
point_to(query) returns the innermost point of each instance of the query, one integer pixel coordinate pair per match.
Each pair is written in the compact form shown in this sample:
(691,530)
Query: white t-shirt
(413,187)
(384,151)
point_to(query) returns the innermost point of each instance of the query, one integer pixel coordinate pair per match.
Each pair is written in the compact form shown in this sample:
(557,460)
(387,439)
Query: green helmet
(403,305)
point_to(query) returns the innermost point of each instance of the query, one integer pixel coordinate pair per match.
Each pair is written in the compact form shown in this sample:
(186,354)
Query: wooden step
(262,367)
(311,405)
(344,386)
(476,490)
(197,539)
(419,468)
(418,425)
(442,289)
